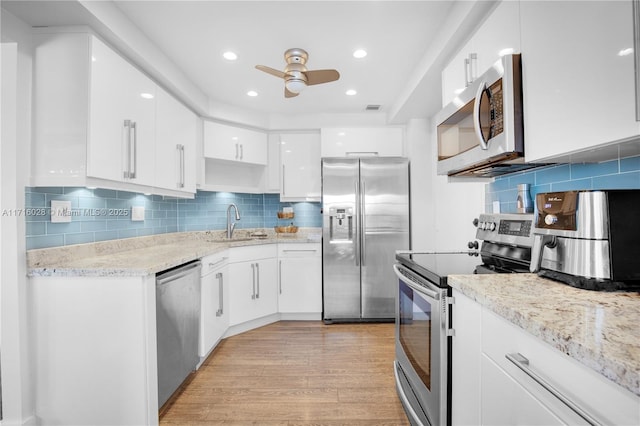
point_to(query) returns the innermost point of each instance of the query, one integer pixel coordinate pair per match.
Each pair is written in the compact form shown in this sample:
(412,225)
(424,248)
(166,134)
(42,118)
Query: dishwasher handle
(177,273)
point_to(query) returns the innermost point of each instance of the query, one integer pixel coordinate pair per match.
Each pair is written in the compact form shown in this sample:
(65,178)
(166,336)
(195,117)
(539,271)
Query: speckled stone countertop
(599,329)
(148,255)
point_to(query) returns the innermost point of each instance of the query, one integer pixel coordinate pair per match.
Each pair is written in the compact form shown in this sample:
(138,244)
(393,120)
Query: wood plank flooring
(294,373)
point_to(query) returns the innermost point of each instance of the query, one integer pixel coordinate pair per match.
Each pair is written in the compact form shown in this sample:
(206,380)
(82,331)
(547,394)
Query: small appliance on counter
(588,239)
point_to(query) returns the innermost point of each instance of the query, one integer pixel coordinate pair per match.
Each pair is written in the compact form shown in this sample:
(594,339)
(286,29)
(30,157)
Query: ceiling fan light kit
(296,75)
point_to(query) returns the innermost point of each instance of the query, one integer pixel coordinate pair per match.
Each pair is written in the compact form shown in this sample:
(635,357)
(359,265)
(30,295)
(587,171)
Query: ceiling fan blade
(289,94)
(321,76)
(269,70)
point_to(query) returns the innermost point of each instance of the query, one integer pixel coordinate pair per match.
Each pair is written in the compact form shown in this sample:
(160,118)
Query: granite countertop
(599,329)
(143,256)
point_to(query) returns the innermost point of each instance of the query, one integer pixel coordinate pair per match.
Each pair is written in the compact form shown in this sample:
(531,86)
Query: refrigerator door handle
(357,239)
(363,226)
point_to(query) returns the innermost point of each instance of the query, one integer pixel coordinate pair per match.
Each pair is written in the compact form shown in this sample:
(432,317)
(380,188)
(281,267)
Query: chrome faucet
(230,225)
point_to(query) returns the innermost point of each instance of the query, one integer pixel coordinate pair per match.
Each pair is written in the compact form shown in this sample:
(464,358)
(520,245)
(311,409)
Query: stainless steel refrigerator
(365,209)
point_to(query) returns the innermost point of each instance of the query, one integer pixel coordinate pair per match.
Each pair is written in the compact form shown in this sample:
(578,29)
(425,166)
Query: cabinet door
(362,142)
(122,119)
(455,76)
(231,143)
(242,292)
(175,144)
(300,174)
(300,284)
(578,89)
(266,287)
(465,359)
(214,316)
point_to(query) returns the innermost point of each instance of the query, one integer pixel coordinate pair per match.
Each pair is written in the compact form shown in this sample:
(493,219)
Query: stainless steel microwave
(481,132)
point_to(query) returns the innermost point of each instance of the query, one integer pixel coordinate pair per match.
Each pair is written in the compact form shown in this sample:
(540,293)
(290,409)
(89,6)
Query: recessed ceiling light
(230,56)
(360,53)
(146,95)
(350,92)
(252,93)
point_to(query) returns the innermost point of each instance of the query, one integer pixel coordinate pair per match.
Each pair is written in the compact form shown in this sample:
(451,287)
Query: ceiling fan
(296,76)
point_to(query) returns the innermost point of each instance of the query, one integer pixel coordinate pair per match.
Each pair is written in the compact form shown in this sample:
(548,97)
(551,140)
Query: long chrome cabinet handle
(127,129)
(180,149)
(211,265)
(253,276)
(258,280)
(237,156)
(241,152)
(280,275)
(522,363)
(636,47)
(220,278)
(133,174)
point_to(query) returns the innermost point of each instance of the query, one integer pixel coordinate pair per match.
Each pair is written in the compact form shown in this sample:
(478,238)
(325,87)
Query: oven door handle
(415,286)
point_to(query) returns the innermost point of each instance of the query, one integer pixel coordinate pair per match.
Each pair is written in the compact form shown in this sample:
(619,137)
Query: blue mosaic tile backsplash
(102,214)
(616,174)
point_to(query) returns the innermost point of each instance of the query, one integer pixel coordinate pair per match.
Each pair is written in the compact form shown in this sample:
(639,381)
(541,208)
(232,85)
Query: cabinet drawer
(214,261)
(251,253)
(299,250)
(588,389)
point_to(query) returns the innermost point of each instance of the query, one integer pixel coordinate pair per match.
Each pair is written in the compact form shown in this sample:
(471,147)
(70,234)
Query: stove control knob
(492,226)
(475,222)
(473,245)
(550,219)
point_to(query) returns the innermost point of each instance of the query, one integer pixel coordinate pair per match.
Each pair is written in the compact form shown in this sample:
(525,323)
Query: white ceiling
(194,34)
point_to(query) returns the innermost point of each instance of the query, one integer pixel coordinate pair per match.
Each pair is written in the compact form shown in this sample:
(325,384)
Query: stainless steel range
(424,309)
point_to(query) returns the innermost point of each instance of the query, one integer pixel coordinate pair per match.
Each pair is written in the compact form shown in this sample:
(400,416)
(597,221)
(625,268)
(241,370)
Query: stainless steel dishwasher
(178,326)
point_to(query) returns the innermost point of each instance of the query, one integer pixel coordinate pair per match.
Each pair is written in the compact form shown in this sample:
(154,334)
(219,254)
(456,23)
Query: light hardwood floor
(295,373)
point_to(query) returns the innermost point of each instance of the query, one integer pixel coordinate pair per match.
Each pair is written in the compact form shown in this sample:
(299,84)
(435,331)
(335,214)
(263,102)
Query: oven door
(422,349)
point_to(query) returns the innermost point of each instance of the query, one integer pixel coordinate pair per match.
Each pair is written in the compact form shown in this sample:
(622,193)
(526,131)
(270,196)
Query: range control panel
(506,228)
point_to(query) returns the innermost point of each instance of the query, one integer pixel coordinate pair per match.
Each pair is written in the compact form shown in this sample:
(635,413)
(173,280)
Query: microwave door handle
(476,115)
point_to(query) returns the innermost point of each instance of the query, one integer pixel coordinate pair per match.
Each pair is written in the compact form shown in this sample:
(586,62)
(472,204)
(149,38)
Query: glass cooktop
(436,266)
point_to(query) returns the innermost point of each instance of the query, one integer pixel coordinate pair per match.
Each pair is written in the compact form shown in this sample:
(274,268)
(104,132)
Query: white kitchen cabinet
(94,348)
(253,283)
(499,34)
(300,280)
(300,167)
(362,142)
(488,388)
(214,308)
(175,150)
(94,117)
(272,184)
(465,361)
(122,106)
(578,88)
(224,142)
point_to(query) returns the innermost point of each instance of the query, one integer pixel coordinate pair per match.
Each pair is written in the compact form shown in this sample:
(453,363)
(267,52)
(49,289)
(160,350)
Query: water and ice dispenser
(341,224)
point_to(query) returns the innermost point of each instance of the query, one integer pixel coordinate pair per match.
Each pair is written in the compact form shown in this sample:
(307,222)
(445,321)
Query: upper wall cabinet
(361,142)
(300,167)
(223,142)
(497,36)
(175,151)
(95,119)
(578,76)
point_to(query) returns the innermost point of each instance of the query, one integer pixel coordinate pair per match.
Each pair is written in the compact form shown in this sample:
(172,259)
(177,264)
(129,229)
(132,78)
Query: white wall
(441,211)
(17,387)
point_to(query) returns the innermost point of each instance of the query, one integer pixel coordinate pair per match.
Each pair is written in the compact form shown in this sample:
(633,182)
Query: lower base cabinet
(300,279)
(214,308)
(488,388)
(253,275)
